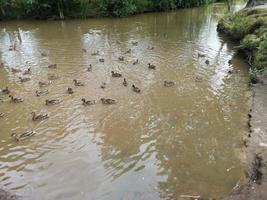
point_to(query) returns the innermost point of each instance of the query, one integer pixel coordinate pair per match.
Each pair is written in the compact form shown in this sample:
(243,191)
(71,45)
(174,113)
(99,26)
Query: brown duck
(125,82)
(78,83)
(44,84)
(169,83)
(52,102)
(24,79)
(39,117)
(128,51)
(88,102)
(70,91)
(5,91)
(136,89)
(52,66)
(150,66)
(89,69)
(27,72)
(23,136)
(15,100)
(41,93)
(115,74)
(135,62)
(108,101)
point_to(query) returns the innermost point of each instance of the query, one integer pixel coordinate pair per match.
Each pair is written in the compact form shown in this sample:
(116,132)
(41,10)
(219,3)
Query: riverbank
(249,27)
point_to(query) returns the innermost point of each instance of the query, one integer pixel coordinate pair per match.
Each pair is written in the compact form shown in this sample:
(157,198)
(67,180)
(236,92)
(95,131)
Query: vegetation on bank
(44,9)
(249,26)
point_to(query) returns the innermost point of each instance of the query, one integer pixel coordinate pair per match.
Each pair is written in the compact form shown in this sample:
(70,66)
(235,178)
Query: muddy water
(159,144)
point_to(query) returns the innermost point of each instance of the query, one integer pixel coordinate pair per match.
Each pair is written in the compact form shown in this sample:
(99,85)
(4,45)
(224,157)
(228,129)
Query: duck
(1,101)
(39,117)
(2,64)
(128,51)
(84,50)
(230,71)
(118,42)
(103,85)
(44,84)
(125,82)
(150,48)
(15,70)
(12,47)
(150,66)
(207,62)
(136,89)
(88,102)
(52,66)
(230,62)
(115,74)
(169,83)
(121,58)
(44,54)
(135,43)
(15,99)
(77,83)
(24,79)
(52,102)
(108,101)
(101,60)
(27,72)
(95,53)
(200,55)
(135,62)
(70,91)
(52,77)
(198,79)
(41,93)
(5,91)
(2,115)
(89,69)
(23,136)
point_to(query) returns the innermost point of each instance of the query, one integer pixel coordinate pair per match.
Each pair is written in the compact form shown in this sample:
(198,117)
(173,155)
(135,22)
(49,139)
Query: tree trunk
(252,3)
(61,14)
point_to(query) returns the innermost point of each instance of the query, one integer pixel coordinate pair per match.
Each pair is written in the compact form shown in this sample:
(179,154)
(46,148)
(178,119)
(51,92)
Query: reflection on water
(159,144)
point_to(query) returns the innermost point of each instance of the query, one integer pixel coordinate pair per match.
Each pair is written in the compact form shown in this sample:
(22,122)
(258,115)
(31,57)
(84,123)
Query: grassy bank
(249,27)
(60,9)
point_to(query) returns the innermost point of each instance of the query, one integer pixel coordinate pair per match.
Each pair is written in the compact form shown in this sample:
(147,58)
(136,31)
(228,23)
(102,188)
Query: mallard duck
(95,53)
(24,79)
(136,89)
(169,83)
(23,136)
(89,69)
(101,60)
(84,50)
(207,62)
(44,84)
(125,82)
(108,101)
(52,102)
(88,102)
(121,58)
(70,91)
(135,62)
(5,91)
(199,55)
(39,117)
(150,48)
(150,66)
(15,70)
(15,100)
(2,115)
(135,43)
(27,72)
(103,85)
(128,51)
(115,74)
(52,77)
(52,66)
(78,83)
(44,54)
(41,93)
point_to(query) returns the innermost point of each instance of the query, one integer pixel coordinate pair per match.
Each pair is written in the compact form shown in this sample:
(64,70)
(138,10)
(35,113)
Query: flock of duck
(77,83)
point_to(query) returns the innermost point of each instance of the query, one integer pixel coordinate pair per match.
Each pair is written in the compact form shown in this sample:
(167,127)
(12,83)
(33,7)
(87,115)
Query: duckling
(52,102)
(150,48)
(103,85)
(2,115)
(70,91)
(128,51)
(52,66)
(136,89)
(89,69)
(24,79)
(150,66)
(135,62)
(95,53)
(207,62)
(77,83)
(15,100)
(121,58)
(41,93)
(52,77)
(108,101)
(5,91)
(199,55)
(15,70)
(101,60)
(84,50)
(135,43)
(27,72)
(44,54)
(169,83)
(44,84)
(39,117)
(125,82)
(88,102)
(23,136)
(115,74)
